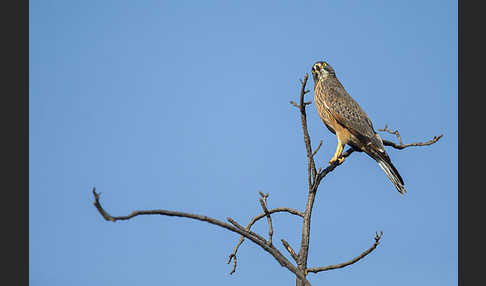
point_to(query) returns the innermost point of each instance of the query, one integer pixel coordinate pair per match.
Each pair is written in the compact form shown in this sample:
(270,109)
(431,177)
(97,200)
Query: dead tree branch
(257,239)
(290,250)
(354,260)
(263,203)
(238,226)
(314,178)
(403,146)
(317,149)
(311,178)
(311,165)
(232,256)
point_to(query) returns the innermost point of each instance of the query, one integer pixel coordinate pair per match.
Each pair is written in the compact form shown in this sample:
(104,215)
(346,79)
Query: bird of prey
(343,116)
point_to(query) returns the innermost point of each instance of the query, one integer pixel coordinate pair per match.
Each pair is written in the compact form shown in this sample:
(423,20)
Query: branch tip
(294,104)
(352,261)
(401,146)
(264,196)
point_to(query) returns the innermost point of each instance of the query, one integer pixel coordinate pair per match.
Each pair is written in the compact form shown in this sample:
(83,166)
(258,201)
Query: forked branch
(257,239)
(232,256)
(314,178)
(403,146)
(263,203)
(354,260)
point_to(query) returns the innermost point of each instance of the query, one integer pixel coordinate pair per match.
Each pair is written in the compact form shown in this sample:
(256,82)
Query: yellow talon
(338,155)
(339,159)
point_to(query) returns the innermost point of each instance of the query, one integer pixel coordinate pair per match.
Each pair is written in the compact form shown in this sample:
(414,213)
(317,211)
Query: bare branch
(264,196)
(272,250)
(263,203)
(290,250)
(317,149)
(311,168)
(311,180)
(305,103)
(235,228)
(323,173)
(284,262)
(207,219)
(403,146)
(254,220)
(385,129)
(294,104)
(258,217)
(232,256)
(354,260)
(249,232)
(400,147)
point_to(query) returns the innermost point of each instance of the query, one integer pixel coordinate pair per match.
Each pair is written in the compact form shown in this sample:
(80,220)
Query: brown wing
(349,114)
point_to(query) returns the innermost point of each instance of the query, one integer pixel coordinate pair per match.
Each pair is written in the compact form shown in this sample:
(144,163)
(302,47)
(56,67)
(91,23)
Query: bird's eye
(324,64)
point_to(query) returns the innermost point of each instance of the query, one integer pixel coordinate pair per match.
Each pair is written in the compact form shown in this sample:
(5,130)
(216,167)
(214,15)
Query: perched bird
(344,117)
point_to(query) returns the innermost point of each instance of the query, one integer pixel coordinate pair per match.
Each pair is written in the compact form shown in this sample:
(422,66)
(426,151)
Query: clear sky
(184,105)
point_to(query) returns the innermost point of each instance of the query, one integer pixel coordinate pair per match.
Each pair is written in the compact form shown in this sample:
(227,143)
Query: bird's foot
(339,160)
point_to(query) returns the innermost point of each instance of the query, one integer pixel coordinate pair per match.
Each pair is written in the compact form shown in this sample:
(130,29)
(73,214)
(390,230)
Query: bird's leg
(338,155)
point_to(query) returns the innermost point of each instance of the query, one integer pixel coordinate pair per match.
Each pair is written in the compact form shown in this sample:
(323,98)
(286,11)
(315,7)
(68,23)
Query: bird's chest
(323,109)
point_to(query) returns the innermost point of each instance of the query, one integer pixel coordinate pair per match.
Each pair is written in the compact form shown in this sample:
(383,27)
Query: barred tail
(391,172)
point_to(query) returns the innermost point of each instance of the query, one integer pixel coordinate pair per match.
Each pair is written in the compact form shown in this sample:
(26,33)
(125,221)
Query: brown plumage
(343,116)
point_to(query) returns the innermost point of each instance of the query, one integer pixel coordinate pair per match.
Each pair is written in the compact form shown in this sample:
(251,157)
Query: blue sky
(184,105)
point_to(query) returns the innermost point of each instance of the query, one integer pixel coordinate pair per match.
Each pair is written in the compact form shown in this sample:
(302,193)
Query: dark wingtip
(401,189)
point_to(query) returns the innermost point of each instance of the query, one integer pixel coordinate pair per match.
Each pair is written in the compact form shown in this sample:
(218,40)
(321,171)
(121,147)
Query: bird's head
(322,70)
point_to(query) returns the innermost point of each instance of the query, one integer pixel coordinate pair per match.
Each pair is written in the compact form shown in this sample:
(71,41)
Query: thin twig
(311,179)
(354,260)
(290,250)
(311,168)
(317,149)
(305,103)
(396,133)
(263,203)
(403,146)
(281,259)
(260,216)
(323,173)
(294,104)
(400,147)
(237,225)
(232,256)
(254,220)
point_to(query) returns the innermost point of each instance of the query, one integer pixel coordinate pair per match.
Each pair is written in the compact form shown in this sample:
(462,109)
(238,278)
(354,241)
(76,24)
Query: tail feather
(391,172)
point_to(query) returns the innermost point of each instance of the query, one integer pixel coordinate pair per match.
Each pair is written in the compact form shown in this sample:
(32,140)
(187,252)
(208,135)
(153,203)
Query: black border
(15,141)
(471,168)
